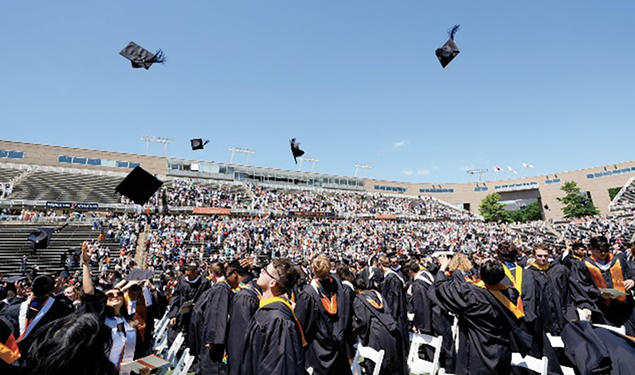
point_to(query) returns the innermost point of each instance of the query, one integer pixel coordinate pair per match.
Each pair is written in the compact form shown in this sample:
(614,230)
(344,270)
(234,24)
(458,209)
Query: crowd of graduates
(293,296)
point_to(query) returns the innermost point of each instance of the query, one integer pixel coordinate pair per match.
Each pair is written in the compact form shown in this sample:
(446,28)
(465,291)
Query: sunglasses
(268,274)
(112,295)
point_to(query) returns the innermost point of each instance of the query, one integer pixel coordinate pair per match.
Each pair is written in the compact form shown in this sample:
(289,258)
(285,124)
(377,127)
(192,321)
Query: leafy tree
(492,210)
(575,203)
(531,212)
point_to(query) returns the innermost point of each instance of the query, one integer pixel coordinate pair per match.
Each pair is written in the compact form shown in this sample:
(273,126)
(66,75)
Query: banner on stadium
(212,211)
(386,217)
(311,214)
(72,205)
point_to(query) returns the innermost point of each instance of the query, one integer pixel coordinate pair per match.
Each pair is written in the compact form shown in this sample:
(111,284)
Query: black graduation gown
(61,307)
(598,350)
(346,308)
(273,344)
(527,290)
(324,332)
(487,331)
(243,308)
(551,291)
(586,295)
(209,326)
(184,292)
(394,293)
(420,305)
(376,328)
(370,277)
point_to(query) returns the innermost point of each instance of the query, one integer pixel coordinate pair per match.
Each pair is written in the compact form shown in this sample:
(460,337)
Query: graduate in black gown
(324,325)
(551,286)
(186,292)
(372,276)
(208,327)
(244,306)
(393,289)
(490,324)
(40,308)
(345,306)
(604,270)
(517,278)
(376,328)
(274,341)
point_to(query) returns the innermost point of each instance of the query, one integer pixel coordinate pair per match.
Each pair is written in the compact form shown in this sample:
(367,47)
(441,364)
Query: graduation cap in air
(295,149)
(139,274)
(449,50)
(40,238)
(198,144)
(140,57)
(139,186)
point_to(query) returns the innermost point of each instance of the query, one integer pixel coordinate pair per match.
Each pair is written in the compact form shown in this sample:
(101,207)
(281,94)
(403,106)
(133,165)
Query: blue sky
(355,81)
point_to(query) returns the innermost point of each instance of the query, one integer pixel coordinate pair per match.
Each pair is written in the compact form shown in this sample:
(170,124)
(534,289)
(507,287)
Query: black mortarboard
(449,50)
(140,57)
(139,186)
(295,149)
(40,238)
(198,144)
(139,274)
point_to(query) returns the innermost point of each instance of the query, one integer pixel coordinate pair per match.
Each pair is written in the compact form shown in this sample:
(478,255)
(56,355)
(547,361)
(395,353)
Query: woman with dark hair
(113,314)
(74,344)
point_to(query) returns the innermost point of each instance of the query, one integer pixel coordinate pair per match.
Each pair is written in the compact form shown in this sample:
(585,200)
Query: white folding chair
(421,366)
(556,342)
(185,362)
(174,348)
(540,366)
(369,353)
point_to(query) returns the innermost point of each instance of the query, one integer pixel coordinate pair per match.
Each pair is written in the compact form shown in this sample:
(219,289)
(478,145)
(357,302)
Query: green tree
(531,212)
(492,210)
(575,203)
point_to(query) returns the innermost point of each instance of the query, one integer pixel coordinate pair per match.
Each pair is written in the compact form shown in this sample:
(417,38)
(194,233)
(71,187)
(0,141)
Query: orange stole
(616,275)
(140,314)
(509,305)
(9,351)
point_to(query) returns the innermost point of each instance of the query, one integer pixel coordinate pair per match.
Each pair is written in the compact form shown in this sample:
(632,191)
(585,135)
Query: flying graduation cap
(198,144)
(40,238)
(295,149)
(140,57)
(449,50)
(139,186)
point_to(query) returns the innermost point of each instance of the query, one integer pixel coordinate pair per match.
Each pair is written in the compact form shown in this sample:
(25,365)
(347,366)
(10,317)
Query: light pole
(479,172)
(311,160)
(246,151)
(362,166)
(165,141)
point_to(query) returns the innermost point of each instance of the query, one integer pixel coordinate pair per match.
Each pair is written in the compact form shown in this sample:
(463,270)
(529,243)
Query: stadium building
(45,173)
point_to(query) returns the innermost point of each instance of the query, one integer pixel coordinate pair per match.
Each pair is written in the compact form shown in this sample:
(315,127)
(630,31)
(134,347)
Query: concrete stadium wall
(36,154)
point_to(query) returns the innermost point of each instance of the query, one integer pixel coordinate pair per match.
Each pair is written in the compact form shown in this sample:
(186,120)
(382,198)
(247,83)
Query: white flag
(497,169)
(527,165)
(512,170)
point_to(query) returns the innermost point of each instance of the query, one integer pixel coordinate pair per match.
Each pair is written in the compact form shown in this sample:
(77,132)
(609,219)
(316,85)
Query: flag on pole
(497,169)
(527,165)
(512,170)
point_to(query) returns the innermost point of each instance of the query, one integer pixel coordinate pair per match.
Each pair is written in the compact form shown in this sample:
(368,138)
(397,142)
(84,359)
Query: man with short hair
(187,291)
(208,326)
(274,340)
(321,317)
(604,285)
